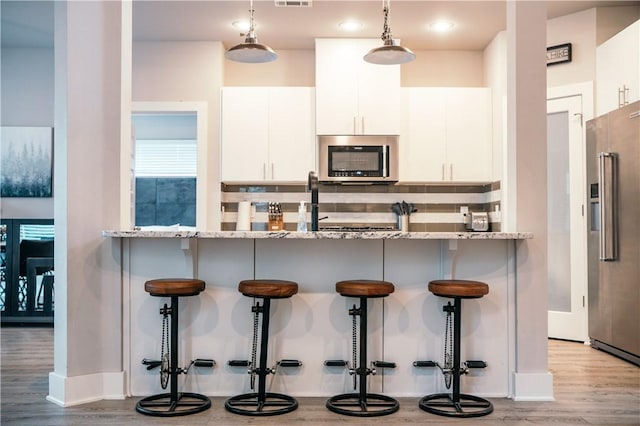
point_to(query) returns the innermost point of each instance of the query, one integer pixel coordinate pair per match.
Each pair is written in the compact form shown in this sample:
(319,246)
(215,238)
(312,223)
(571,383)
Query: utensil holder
(276,222)
(404,223)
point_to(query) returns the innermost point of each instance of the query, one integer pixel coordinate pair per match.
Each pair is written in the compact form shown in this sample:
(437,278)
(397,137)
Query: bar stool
(362,403)
(263,403)
(456,404)
(172,403)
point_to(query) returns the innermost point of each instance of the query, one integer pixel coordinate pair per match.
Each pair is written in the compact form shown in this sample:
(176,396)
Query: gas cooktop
(359,228)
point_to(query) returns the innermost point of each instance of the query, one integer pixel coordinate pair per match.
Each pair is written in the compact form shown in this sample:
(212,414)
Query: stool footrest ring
(442,404)
(372,405)
(250,404)
(162,405)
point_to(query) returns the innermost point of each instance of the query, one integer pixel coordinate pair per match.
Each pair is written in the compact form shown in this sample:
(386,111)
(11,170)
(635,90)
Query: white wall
(88,317)
(612,20)
(27,100)
(444,68)
(292,68)
(585,31)
(495,77)
(579,29)
(189,72)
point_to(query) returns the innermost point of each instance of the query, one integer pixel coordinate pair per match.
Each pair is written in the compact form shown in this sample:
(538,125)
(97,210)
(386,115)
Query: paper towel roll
(243,222)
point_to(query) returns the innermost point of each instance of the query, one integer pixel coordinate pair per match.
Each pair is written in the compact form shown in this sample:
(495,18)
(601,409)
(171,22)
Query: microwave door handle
(608,206)
(385,160)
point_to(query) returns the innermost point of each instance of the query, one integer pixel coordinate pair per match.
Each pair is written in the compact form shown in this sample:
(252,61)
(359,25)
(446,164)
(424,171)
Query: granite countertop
(320,235)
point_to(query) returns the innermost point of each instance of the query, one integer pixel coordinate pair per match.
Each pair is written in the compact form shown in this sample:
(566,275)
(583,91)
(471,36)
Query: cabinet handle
(264,171)
(354,124)
(442,171)
(362,127)
(621,96)
(451,171)
(626,95)
(273,173)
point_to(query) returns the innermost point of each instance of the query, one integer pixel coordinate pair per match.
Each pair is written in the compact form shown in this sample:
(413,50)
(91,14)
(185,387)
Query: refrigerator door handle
(608,206)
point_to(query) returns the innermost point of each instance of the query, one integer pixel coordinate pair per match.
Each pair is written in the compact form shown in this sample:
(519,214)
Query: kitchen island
(314,325)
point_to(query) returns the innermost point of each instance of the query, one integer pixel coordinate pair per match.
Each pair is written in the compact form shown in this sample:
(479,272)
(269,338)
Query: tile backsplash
(438,206)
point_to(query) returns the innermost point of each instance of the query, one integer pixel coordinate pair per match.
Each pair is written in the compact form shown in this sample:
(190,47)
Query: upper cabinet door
(244,133)
(292,138)
(267,134)
(353,96)
(469,134)
(447,135)
(423,143)
(618,70)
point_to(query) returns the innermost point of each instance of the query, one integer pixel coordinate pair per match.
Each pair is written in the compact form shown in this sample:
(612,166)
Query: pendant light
(251,51)
(389,53)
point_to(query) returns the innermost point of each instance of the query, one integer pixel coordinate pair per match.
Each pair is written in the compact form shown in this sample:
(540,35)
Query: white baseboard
(69,391)
(533,387)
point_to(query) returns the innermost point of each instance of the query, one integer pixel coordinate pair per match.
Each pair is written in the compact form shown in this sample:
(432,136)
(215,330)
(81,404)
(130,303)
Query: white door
(567,280)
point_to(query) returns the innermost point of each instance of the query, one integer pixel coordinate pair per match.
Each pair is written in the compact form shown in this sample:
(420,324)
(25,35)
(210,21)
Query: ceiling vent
(293,3)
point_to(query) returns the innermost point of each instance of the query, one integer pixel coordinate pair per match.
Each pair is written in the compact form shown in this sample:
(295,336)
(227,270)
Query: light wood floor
(591,388)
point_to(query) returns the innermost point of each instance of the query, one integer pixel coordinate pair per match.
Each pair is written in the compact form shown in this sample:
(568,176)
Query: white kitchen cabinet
(618,70)
(267,133)
(354,96)
(446,135)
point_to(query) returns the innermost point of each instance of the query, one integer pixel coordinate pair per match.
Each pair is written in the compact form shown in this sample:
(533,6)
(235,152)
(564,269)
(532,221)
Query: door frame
(202,185)
(585,91)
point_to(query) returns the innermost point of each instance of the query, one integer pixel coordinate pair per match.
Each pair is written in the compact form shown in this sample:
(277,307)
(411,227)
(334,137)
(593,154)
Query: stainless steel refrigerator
(613,185)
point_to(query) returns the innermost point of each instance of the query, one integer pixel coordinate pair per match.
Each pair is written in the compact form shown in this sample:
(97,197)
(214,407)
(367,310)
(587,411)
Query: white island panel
(314,325)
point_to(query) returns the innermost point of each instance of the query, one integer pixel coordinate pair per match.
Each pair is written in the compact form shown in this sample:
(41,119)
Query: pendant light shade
(389,53)
(250,51)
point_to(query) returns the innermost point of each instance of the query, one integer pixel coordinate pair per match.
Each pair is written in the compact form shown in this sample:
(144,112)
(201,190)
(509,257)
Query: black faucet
(312,186)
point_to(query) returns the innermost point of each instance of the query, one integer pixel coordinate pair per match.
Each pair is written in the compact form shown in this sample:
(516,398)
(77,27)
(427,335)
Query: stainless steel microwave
(358,158)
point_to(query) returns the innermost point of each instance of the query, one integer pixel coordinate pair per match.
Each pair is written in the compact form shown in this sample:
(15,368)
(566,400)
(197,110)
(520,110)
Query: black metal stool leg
(363,404)
(174,350)
(173,403)
(456,404)
(262,403)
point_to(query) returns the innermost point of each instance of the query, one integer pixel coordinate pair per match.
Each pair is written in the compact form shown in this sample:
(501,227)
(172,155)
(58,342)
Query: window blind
(165,157)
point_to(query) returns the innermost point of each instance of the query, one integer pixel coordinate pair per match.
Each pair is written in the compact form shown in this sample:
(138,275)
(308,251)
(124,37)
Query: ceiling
(30,23)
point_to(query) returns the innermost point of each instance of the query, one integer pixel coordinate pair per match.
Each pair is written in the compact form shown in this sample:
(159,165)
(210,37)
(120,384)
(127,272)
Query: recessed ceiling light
(441,26)
(241,25)
(350,25)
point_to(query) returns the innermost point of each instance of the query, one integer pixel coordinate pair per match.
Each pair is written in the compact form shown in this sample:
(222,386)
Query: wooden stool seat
(174,287)
(276,289)
(458,288)
(364,288)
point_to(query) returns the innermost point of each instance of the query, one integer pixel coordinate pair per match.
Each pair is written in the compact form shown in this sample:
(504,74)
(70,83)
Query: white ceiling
(30,23)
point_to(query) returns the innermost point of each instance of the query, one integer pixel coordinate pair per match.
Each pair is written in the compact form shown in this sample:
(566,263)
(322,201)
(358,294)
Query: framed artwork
(26,161)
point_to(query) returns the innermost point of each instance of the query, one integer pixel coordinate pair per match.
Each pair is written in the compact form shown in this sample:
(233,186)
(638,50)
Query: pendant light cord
(386,29)
(251,27)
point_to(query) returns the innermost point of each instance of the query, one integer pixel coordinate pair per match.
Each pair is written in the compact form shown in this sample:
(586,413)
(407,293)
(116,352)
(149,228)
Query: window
(165,168)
